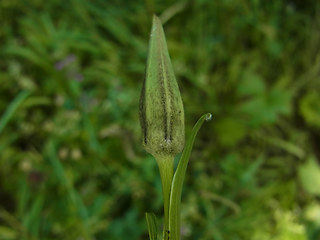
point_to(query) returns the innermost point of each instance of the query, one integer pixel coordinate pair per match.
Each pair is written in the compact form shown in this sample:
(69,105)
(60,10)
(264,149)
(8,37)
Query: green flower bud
(161,107)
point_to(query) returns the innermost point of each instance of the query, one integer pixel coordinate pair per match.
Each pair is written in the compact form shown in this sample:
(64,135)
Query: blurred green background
(71,163)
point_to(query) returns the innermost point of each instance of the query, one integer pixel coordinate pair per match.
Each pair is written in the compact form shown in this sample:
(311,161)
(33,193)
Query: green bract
(161,107)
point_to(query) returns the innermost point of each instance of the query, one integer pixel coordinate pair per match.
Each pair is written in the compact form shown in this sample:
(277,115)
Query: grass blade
(12,108)
(176,188)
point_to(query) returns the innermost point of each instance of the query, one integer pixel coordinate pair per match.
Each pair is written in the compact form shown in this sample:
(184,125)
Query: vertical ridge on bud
(161,107)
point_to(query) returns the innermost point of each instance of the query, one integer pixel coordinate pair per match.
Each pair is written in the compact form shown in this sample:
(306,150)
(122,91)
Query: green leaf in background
(32,219)
(313,213)
(152,226)
(251,84)
(265,108)
(7,233)
(309,174)
(12,108)
(310,108)
(230,131)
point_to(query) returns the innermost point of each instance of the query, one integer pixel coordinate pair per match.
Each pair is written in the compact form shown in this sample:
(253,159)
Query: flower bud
(161,107)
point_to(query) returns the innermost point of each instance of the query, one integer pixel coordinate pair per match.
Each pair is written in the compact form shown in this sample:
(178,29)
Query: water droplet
(208,117)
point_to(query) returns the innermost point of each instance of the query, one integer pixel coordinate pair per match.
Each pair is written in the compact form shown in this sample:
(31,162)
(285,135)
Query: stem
(165,164)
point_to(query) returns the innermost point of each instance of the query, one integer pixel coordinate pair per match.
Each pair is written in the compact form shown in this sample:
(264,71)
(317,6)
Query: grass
(71,163)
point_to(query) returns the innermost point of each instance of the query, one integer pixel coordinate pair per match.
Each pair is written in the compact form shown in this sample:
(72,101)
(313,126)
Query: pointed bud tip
(155,19)
(156,23)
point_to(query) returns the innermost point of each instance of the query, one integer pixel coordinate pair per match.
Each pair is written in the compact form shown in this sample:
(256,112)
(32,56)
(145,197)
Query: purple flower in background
(78,77)
(63,63)
(75,75)
(72,72)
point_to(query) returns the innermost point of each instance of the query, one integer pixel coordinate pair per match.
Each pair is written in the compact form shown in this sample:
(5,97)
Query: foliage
(71,162)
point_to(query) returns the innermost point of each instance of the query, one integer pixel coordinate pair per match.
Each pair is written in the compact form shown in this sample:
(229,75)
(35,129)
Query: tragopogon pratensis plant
(162,123)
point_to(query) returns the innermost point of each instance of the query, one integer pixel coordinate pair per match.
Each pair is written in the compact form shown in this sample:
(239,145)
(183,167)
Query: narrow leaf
(176,188)
(152,226)
(7,115)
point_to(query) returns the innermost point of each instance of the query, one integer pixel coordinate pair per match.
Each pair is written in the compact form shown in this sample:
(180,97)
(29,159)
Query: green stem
(165,164)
